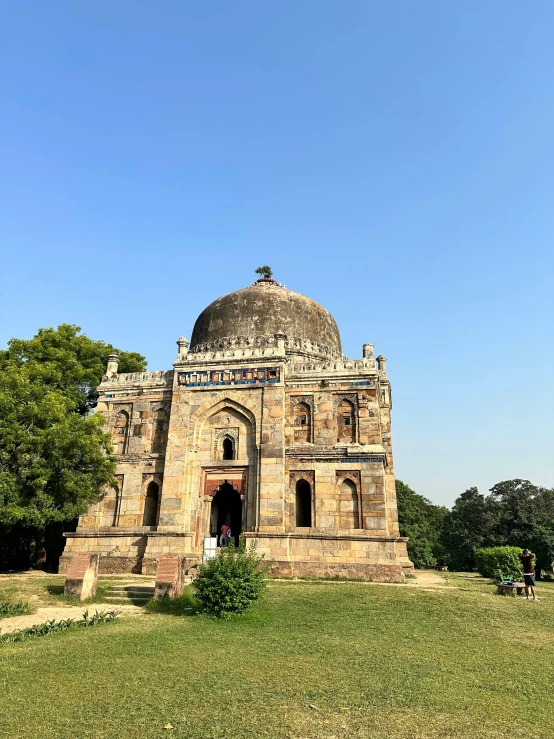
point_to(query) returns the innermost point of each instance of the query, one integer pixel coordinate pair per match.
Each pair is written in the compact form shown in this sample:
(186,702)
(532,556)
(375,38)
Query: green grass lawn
(312,660)
(47,590)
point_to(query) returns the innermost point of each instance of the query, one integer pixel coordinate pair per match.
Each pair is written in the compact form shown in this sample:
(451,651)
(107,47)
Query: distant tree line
(514,513)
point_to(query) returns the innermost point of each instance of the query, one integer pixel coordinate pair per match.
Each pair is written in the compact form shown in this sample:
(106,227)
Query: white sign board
(210,548)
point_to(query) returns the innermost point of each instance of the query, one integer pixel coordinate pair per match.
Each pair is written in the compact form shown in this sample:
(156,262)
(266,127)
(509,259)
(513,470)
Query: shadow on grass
(55,589)
(184,605)
(58,592)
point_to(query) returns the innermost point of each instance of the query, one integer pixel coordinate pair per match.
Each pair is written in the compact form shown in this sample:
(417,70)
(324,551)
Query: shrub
(13,608)
(183,605)
(231,582)
(504,559)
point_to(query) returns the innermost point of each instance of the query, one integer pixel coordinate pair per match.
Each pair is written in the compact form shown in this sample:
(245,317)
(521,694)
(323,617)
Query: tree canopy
(55,456)
(515,513)
(421,521)
(469,526)
(53,460)
(66,360)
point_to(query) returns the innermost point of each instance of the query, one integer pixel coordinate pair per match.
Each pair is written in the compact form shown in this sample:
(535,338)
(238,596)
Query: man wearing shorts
(527,558)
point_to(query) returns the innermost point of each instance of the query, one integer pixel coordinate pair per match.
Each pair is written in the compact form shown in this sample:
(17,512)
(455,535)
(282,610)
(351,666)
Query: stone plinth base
(373,558)
(82,576)
(135,551)
(371,573)
(162,543)
(309,554)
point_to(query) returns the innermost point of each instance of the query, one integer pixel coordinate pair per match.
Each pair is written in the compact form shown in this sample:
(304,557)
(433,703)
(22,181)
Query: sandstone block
(82,576)
(170,576)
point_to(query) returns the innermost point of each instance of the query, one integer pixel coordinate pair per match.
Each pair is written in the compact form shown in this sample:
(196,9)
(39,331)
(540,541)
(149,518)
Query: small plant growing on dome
(265,272)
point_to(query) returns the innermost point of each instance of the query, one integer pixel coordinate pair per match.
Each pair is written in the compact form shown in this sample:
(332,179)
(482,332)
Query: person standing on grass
(527,558)
(225,534)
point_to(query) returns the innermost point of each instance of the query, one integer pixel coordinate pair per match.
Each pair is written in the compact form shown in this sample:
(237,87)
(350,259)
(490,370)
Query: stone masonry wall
(325,428)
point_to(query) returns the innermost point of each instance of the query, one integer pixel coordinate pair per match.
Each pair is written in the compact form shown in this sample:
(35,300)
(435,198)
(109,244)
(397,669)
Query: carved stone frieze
(342,365)
(158,377)
(227,377)
(248,343)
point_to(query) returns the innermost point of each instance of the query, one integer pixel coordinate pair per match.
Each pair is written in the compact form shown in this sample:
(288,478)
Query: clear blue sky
(393,161)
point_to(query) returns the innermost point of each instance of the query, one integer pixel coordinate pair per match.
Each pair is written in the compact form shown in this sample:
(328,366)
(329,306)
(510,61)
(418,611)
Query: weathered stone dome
(252,316)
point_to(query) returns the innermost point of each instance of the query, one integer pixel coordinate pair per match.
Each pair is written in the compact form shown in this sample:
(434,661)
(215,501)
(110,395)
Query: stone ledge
(101,534)
(369,572)
(329,537)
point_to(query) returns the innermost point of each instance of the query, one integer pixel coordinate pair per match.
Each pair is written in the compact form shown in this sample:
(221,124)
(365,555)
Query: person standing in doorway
(527,558)
(225,534)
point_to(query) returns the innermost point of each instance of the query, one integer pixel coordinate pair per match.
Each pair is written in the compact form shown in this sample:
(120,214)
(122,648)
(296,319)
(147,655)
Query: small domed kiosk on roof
(264,424)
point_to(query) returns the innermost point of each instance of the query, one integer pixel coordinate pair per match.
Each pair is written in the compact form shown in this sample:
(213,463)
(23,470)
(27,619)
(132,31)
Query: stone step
(137,589)
(141,599)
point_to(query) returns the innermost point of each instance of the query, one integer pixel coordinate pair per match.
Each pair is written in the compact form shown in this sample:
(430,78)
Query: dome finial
(265,272)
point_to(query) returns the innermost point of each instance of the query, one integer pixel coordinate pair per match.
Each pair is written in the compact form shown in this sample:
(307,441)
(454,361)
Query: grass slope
(48,590)
(312,660)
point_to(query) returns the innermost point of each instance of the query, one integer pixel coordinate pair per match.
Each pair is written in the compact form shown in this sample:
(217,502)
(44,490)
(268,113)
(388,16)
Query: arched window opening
(159,438)
(303,503)
(111,504)
(151,505)
(346,422)
(117,505)
(349,505)
(228,448)
(302,424)
(120,432)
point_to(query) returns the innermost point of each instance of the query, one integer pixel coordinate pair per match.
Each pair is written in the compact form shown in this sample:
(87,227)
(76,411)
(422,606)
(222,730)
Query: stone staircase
(134,595)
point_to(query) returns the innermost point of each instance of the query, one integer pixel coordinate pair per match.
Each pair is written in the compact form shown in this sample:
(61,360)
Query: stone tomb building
(264,423)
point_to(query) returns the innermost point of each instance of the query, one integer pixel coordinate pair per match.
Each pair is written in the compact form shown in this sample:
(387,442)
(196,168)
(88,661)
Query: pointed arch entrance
(226,507)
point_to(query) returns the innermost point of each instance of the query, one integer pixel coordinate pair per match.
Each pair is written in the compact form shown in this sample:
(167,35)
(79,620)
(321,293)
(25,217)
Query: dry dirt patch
(41,615)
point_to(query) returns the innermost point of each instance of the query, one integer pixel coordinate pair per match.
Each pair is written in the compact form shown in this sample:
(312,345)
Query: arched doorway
(226,506)
(151,505)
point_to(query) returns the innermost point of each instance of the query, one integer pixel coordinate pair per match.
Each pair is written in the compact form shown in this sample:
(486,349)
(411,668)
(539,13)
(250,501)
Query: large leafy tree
(421,522)
(66,360)
(471,524)
(515,513)
(526,517)
(55,456)
(519,513)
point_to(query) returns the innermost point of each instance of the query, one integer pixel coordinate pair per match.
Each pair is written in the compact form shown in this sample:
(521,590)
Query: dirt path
(41,615)
(428,579)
